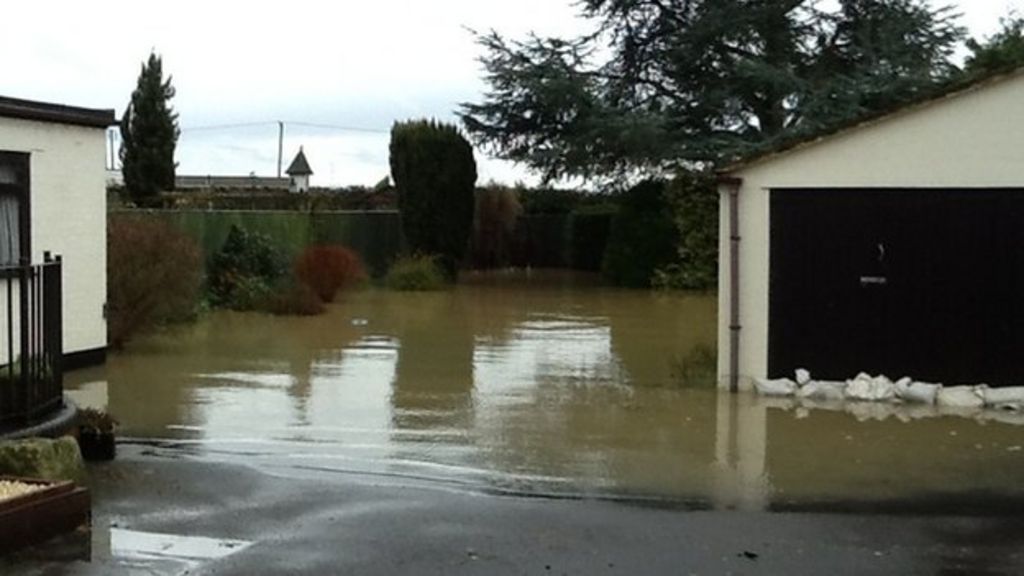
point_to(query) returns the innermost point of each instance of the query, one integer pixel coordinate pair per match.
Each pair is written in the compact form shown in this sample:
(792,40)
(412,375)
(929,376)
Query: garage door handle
(873,280)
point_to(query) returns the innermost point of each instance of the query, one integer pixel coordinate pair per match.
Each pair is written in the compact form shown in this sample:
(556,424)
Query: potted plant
(96,435)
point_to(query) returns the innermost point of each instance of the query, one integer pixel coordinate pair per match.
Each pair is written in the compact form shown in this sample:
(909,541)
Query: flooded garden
(542,384)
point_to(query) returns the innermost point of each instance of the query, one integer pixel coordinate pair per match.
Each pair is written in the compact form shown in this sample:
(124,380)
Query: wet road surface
(323,524)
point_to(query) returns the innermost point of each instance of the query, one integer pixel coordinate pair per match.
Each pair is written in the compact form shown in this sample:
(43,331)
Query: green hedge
(588,230)
(376,236)
(576,240)
(643,237)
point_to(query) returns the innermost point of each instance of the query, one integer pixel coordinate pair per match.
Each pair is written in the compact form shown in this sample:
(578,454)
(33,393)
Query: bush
(588,236)
(494,221)
(245,270)
(327,269)
(154,274)
(434,172)
(694,199)
(643,237)
(416,273)
(295,299)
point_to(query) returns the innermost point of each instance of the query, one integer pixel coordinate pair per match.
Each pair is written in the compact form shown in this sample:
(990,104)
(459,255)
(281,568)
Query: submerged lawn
(549,384)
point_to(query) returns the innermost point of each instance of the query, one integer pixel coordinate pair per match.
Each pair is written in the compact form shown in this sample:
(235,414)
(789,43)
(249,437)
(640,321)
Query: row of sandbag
(866,388)
(880,411)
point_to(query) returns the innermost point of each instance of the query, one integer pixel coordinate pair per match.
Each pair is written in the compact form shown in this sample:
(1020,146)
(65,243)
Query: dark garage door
(923,283)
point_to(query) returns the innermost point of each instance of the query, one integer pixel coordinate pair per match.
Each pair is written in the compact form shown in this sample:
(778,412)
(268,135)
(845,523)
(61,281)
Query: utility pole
(280,145)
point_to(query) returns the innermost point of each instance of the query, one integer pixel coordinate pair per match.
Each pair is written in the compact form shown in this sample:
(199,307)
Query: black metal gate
(921,282)
(31,378)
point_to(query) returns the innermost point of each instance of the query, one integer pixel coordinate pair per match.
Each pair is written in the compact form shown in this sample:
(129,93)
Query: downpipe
(733,184)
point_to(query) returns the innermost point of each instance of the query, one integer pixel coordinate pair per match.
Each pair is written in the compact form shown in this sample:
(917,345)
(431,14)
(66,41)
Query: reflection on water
(542,387)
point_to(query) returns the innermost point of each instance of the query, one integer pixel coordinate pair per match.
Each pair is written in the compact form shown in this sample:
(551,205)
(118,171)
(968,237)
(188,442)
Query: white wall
(974,139)
(299,183)
(69,211)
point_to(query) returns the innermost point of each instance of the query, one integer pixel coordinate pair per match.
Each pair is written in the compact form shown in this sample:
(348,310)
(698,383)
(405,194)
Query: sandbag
(782,387)
(917,392)
(803,377)
(868,389)
(822,390)
(1010,398)
(961,397)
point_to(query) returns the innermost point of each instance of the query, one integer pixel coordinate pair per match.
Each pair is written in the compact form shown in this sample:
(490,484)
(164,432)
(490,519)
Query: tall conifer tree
(149,135)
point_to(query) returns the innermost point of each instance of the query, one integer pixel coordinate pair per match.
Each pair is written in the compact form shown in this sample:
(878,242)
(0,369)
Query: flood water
(547,385)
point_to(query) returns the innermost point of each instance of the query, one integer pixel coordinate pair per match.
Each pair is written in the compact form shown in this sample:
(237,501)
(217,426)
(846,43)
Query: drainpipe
(733,184)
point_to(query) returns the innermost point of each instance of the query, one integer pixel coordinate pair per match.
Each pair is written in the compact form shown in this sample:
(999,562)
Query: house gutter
(732,184)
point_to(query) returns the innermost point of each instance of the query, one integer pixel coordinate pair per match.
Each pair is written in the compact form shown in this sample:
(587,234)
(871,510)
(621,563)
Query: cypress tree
(149,134)
(434,172)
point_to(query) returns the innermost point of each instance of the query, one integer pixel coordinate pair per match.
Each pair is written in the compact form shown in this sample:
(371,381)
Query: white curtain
(10,247)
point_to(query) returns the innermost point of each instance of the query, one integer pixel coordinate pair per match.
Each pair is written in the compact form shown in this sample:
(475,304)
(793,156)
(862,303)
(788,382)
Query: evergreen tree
(434,172)
(1001,52)
(663,84)
(149,134)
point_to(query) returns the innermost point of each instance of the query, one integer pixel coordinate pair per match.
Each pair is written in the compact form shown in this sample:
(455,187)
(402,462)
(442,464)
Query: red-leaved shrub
(327,269)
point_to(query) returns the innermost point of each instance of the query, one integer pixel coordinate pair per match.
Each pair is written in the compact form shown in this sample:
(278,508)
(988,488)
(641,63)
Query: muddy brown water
(547,385)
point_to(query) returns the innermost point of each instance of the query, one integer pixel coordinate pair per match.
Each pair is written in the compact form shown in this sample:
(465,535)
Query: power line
(227,126)
(339,127)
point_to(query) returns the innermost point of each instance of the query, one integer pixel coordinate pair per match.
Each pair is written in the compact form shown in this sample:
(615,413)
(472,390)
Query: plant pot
(97,446)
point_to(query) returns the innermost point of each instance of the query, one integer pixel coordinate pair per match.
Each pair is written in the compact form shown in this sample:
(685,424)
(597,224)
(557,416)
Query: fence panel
(31,376)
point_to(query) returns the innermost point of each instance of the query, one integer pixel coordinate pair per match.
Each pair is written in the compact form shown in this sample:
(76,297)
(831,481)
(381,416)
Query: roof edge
(55,113)
(950,92)
(300,165)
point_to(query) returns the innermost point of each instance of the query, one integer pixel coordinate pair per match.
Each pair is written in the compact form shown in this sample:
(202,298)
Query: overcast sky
(337,73)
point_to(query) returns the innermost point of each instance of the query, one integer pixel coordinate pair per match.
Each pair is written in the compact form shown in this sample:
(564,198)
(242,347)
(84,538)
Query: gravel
(9,489)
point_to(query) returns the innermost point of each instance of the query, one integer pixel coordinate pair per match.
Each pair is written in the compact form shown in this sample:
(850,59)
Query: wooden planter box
(33,518)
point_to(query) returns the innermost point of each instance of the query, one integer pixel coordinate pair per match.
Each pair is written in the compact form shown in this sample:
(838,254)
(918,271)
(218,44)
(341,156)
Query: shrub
(643,237)
(244,271)
(434,172)
(694,199)
(327,269)
(294,299)
(588,229)
(154,274)
(415,273)
(494,221)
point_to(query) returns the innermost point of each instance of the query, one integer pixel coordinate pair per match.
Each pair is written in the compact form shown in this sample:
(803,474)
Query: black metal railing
(31,341)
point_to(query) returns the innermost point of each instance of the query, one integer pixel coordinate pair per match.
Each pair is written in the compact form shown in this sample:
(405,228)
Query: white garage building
(895,246)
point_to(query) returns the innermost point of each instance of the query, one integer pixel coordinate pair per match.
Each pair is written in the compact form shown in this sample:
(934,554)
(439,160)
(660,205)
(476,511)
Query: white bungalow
(52,246)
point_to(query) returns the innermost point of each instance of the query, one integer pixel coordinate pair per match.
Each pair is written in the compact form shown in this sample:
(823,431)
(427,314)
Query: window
(13,208)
